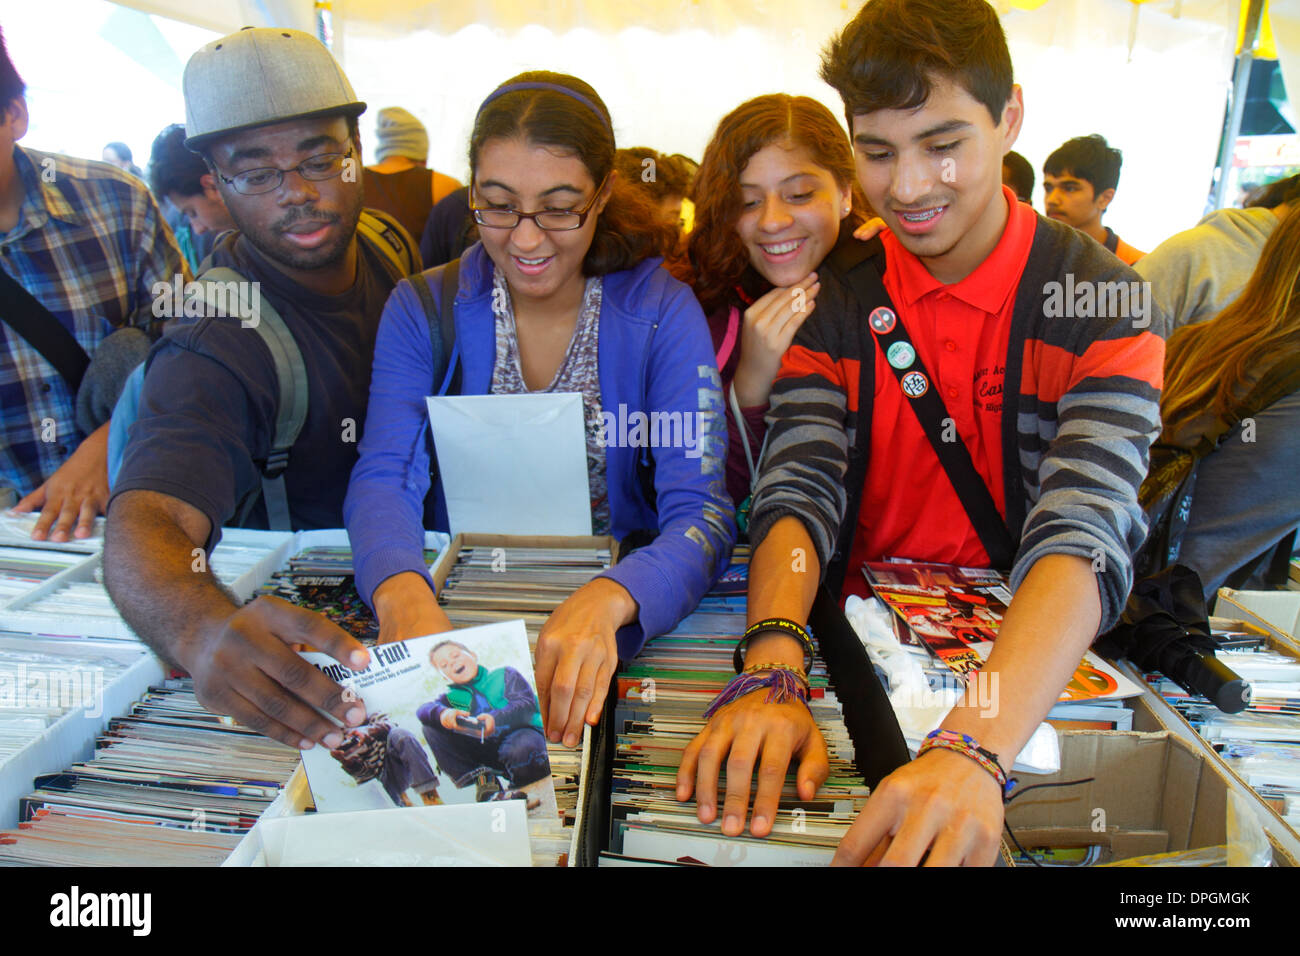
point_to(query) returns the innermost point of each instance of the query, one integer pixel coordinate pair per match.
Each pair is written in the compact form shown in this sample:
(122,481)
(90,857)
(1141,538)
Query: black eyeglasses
(551,220)
(264,179)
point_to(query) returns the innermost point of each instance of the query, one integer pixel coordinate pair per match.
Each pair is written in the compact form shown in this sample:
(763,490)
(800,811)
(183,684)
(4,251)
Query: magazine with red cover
(955,613)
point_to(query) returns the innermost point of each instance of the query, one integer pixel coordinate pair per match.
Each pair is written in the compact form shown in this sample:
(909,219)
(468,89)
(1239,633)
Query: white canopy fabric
(1157,92)
(1153,77)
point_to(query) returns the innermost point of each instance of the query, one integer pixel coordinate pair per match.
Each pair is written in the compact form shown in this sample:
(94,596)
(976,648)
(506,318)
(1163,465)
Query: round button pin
(882,320)
(901,355)
(914,384)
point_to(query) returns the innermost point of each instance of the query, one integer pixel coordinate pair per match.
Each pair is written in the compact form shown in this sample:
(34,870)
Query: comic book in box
(451,718)
(955,613)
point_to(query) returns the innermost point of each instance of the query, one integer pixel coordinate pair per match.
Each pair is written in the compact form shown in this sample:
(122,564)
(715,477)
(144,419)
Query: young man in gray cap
(275,118)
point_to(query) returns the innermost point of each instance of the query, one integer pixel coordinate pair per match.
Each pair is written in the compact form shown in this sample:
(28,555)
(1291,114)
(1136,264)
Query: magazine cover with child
(450,718)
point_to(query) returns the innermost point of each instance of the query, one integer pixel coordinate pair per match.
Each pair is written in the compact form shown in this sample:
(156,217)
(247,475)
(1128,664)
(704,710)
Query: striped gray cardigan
(1084,368)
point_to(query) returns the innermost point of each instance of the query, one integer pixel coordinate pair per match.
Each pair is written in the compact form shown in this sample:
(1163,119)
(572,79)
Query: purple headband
(554,88)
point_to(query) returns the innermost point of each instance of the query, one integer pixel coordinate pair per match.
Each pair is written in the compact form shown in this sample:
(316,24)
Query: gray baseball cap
(258,76)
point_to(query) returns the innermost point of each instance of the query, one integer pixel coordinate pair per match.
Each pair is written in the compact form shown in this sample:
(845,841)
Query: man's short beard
(269,242)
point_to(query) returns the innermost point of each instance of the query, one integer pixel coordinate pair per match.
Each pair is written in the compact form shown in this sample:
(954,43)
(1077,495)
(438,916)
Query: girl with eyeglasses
(775,193)
(563,293)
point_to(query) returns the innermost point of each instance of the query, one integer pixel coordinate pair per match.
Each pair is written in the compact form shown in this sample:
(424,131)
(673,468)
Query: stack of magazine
(169,785)
(77,603)
(43,678)
(22,569)
(323,579)
(948,616)
(1262,743)
(663,694)
(494,583)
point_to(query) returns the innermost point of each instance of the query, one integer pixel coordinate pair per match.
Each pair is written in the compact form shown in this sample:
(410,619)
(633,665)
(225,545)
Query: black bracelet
(784,625)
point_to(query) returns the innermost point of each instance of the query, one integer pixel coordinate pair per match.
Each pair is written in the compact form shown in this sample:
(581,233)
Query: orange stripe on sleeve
(1051,371)
(800,361)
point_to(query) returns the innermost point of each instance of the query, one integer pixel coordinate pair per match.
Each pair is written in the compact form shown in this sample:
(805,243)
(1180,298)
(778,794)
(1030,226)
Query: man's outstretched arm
(241,658)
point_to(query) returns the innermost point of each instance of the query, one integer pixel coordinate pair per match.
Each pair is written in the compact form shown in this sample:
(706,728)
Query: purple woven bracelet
(782,687)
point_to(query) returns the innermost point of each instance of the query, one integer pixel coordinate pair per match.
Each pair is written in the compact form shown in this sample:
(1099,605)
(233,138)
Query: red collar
(994,279)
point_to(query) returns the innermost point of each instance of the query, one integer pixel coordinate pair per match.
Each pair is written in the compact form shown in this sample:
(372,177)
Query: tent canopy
(1152,76)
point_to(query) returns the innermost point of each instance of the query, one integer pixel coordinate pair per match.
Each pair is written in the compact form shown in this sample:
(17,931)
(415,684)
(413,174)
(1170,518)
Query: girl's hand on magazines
(406,607)
(770,325)
(748,732)
(577,655)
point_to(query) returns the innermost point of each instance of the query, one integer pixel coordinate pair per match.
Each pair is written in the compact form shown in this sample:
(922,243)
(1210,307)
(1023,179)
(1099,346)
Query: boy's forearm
(784,573)
(158,577)
(1051,622)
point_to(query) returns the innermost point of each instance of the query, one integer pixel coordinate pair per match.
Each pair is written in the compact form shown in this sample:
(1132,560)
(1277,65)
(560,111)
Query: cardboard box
(1278,612)
(1152,714)
(1150,793)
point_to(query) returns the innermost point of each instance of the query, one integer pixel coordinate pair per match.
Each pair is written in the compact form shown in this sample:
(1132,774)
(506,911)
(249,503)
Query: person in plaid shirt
(87,241)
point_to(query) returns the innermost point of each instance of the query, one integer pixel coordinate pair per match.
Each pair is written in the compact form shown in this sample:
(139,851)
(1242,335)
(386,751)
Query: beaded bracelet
(789,627)
(777,666)
(784,684)
(969,747)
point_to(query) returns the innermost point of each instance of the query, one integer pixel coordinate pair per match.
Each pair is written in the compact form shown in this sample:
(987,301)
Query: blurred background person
(1019,175)
(400,183)
(1079,183)
(666,179)
(119,154)
(181,178)
(449,231)
(1232,398)
(1196,274)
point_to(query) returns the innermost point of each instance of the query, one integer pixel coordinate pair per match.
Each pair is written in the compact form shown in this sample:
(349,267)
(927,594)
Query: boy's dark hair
(890,54)
(1271,195)
(1089,158)
(1021,174)
(172,167)
(12,86)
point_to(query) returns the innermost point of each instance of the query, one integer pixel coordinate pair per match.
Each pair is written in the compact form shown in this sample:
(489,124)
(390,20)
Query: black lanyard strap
(918,386)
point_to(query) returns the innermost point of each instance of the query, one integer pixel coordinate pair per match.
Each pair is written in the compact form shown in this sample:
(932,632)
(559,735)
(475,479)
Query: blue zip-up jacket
(656,358)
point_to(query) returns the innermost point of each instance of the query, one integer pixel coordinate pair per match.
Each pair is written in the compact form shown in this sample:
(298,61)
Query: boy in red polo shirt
(1055,405)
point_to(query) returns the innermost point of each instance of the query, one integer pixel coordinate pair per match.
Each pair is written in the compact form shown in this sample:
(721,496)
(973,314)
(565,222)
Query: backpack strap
(446,361)
(42,330)
(442,326)
(390,240)
(291,381)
